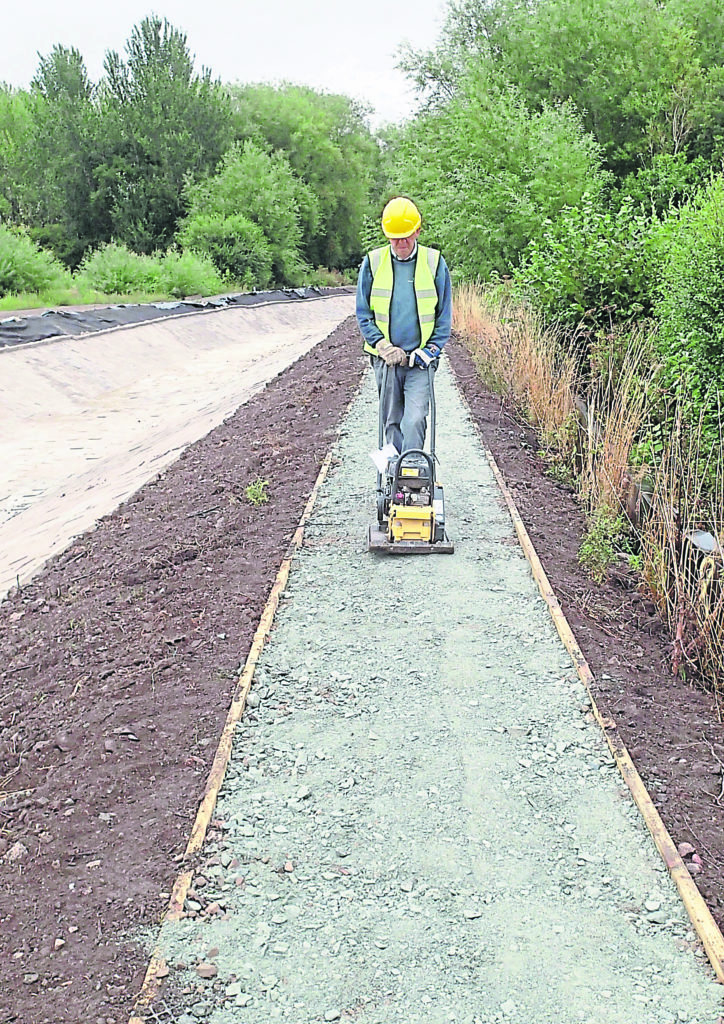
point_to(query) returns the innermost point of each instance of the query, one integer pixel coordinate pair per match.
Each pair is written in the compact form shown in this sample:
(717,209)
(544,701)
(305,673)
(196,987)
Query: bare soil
(118,662)
(118,665)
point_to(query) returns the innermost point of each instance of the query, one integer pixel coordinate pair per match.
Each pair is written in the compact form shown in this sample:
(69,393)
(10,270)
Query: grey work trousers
(405,404)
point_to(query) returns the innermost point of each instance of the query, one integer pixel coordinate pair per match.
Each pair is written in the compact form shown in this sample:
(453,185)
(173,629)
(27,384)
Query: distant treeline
(270,183)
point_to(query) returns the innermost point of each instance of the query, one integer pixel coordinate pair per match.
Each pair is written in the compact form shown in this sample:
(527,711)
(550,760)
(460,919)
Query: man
(404,311)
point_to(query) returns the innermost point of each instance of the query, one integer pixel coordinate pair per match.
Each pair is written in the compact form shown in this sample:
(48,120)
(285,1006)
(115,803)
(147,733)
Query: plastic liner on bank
(17,330)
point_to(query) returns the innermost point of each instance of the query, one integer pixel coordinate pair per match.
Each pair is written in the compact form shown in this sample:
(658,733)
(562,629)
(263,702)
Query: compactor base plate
(377,540)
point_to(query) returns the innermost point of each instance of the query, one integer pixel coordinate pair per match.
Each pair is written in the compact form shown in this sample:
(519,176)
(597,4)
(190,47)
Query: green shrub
(690,308)
(189,273)
(24,267)
(488,172)
(237,247)
(115,270)
(256,196)
(590,262)
(604,532)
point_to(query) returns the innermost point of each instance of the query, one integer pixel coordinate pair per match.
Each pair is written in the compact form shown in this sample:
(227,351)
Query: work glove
(424,356)
(391,354)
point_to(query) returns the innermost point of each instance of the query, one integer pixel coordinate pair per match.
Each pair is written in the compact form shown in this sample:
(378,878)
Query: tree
(629,66)
(330,147)
(16,128)
(164,125)
(258,196)
(489,172)
(62,147)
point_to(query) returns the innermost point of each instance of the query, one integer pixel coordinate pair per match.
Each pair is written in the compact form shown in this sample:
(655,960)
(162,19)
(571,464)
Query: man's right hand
(391,354)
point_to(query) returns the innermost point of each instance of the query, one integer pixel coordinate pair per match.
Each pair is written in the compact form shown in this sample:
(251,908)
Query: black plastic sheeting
(56,322)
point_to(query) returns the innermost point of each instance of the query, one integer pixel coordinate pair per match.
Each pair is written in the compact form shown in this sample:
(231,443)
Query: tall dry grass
(518,359)
(616,409)
(595,424)
(682,566)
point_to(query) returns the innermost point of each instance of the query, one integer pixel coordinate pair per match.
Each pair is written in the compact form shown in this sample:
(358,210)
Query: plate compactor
(410,501)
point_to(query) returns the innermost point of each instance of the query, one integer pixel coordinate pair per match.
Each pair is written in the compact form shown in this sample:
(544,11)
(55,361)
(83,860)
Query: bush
(690,307)
(115,270)
(257,196)
(236,246)
(189,273)
(24,267)
(590,262)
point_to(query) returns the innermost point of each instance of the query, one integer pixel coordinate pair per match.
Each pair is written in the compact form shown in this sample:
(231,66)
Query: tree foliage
(163,125)
(60,191)
(644,75)
(257,196)
(483,200)
(329,146)
(16,128)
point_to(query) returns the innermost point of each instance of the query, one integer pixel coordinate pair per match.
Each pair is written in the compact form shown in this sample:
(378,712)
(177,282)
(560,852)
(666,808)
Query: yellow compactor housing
(411,522)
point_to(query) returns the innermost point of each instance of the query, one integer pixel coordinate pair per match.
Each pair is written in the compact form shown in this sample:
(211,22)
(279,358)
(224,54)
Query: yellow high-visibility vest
(425,290)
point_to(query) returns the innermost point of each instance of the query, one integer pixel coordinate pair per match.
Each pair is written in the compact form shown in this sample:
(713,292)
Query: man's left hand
(424,356)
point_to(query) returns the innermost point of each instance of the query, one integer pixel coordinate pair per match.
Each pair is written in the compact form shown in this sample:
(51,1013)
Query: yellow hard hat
(400,218)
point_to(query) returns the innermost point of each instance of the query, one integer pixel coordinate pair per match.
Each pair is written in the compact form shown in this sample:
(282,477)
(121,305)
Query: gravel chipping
(421,822)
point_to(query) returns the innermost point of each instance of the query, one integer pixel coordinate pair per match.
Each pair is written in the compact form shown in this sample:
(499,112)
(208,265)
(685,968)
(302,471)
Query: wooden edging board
(157,968)
(700,915)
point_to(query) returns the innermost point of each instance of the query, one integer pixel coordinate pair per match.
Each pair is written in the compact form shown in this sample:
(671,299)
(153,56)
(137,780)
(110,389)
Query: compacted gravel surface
(420,821)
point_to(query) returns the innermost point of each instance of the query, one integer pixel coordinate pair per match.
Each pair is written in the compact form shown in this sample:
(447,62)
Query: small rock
(253,700)
(332,1015)
(653,905)
(207,971)
(657,917)
(30,979)
(508,1008)
(16,852)
(288,866)
(233,990)
(58,944)
(686,849)
(472,913)
(212,953)
(304,793)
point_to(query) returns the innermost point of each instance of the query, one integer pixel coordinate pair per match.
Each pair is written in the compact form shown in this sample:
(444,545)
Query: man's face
(403,247)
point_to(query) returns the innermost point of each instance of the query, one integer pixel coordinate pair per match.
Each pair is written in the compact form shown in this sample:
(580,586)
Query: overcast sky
(347,48)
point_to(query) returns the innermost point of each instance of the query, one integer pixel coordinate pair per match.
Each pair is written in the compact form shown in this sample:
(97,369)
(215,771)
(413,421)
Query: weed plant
(605,529)
(256,492)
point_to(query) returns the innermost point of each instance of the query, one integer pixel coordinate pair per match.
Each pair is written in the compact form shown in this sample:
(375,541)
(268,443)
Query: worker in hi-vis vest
(404,311)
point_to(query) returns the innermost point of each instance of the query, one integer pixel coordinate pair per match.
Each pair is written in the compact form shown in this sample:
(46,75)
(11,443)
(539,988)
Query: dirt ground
(119,659)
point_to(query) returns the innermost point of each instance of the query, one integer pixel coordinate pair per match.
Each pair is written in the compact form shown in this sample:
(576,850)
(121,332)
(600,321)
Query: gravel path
(421,823)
